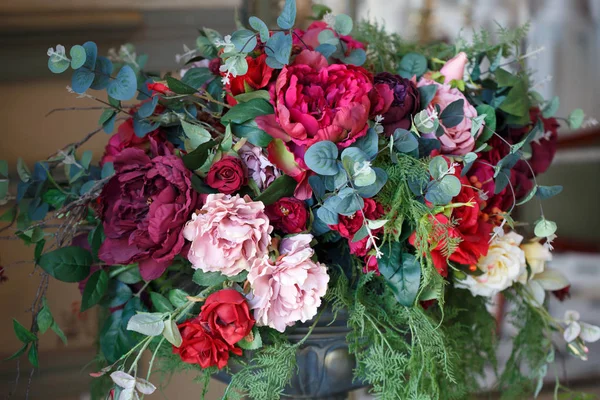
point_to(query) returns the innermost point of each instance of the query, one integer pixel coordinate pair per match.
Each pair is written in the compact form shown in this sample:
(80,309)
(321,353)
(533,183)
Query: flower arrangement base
(325,368)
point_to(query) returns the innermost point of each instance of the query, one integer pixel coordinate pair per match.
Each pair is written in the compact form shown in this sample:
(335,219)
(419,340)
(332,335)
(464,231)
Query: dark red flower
(288,214)
(406,101)
(427,304)
(227,315)
(227,175)
(562,294)
(144,208)
(347,226)
(371,264)
(202,348)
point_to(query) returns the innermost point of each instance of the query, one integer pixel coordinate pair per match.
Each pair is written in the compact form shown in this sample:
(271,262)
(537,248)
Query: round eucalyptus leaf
(343,24)
(78,56)
(322,157)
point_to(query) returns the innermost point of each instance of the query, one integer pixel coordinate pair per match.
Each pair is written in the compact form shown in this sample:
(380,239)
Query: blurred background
(565,40)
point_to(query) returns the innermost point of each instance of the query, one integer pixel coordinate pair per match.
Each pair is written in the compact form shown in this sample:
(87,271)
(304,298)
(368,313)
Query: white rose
(537,256)
(501,267)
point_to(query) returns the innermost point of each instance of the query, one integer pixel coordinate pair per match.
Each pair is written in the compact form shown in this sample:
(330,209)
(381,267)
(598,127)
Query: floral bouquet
(291,171)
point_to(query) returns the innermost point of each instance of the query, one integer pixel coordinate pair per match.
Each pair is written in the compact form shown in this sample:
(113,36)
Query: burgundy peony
(315,101)
(258,77)
(202,348)
(125,137)
(405,104)
(349,225)
(227,175)
(144,207)
(288,214)
(227,315)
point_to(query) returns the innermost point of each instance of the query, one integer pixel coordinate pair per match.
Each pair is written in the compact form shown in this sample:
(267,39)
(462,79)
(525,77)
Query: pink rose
(315,101)
(454,69)
(228,234)
(260,169)
(457,140)
(290,288)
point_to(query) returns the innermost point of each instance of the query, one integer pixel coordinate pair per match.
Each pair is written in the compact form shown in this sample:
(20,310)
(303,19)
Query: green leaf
(148,324)
(115,339)
(124,86)
(427,93)
(130,276)
(44,318)
(371,190)
(494,65)
(402,273)
(86,159)
(104,69)
(196,134)
(81,80)
(118,294)
(438,166)
(256,342)
(528,197)
(197,77)
(453,114)
(33,356)
(576,118)
(67,264)
(59,332)
(546,192)
(412,64)
(23,170)
(179,87)
(198,157)
(178,297)
(208,279)
(441,192)
(350,204)
(78,56)
(19,352)
(357,57)
(278,50)
(160,302)
(551,108)
(3,168)
(405,141)
(22,333)
(489,122)
(288,15)
(243,112)
(258,25)
(252,132)
(343,24)
(328,37)
(95,288)
(244,41)
(502,180)
(505,78)
(327,212)
(256,94)
(544,228)
(517,101)
(322,157)
(95,239)
(172,334)
(239,278)
(283,186)
(424,123)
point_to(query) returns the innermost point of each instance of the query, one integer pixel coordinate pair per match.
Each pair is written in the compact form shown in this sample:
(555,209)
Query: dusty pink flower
(458,139)
(260,169)
(290,288)
(228,234)
(454,69)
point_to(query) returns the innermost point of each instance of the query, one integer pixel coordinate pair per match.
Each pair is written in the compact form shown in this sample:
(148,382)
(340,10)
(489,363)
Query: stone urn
(325,368)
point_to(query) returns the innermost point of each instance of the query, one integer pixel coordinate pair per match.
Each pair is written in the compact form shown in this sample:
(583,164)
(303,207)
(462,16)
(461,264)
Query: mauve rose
(154,142)
(288,214)
(457,140)
(144,207)
(258,76)
(227,175)
(310,37)
(405,104)
(227,315)
(202,348)
(288,289)
(228,234)
(454,69)
(315,101)
(260,169)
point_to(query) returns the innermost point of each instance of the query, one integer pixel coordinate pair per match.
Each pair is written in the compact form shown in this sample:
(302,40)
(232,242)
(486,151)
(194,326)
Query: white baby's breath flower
(329,19)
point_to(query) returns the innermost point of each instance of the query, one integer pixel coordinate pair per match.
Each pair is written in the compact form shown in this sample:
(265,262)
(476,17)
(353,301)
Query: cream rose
(537,256)
(501,267)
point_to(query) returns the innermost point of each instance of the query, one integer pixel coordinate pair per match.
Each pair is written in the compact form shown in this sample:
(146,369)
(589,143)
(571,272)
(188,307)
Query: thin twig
(73,109)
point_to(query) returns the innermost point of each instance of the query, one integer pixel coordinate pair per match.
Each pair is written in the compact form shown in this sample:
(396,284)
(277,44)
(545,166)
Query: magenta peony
(458,139)
(228,234)
(290,288)
(144,208)
(315,101)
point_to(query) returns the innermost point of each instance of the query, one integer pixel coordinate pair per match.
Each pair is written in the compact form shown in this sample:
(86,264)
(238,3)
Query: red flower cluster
(223,321)
(258,77)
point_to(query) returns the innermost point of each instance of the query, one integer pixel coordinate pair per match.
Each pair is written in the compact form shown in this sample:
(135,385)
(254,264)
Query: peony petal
(151,269)
(269,124)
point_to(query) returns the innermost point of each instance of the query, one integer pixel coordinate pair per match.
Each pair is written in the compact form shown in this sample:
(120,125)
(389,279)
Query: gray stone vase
(325,368)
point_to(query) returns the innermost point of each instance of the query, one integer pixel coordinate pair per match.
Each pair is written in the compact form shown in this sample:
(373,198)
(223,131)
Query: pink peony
(290,288)
(458,139)
(260,169)
(454,69)
(228,234)
(315,101)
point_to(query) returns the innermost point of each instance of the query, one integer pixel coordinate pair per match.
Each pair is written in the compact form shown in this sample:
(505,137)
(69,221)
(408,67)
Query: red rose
(258,76)
(200,347)
(227,315)
(158,87)
(349,225)
(227,175)
(288,214)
